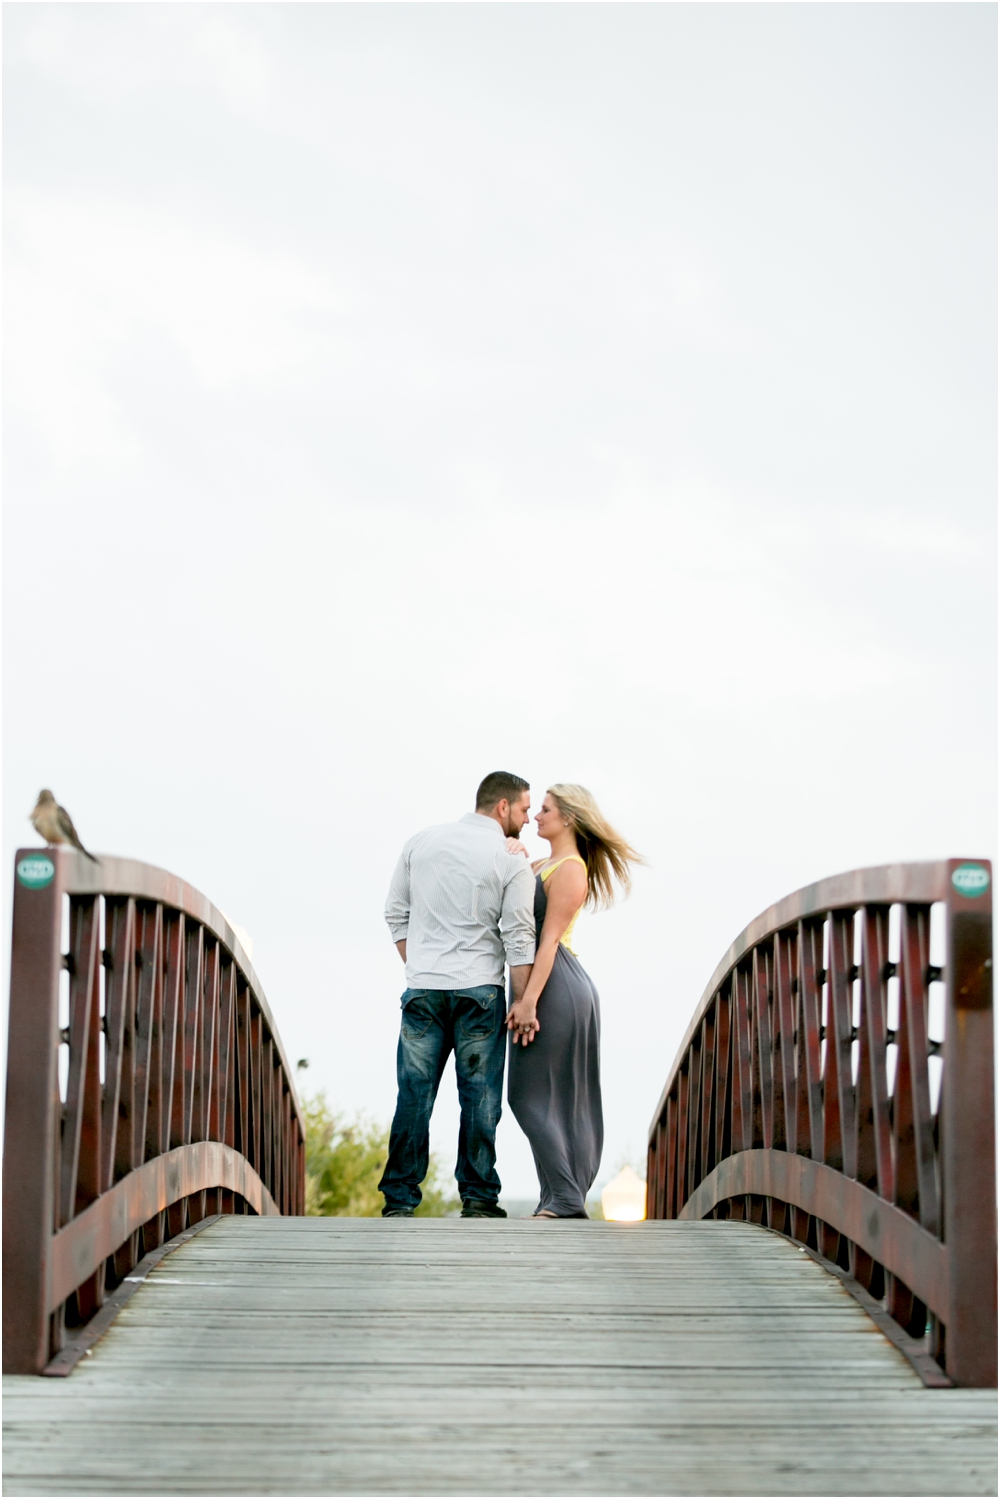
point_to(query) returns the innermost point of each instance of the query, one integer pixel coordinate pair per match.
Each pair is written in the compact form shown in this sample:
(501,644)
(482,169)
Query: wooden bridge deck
(356,1356)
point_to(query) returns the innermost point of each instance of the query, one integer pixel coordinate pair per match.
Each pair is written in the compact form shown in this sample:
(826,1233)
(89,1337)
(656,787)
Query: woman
(554,1085)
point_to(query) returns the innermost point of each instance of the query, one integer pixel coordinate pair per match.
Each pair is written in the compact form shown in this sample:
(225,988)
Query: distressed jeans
(436,1022)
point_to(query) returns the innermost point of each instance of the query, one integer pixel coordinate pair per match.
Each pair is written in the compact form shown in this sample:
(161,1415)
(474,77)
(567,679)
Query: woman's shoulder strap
(552,867)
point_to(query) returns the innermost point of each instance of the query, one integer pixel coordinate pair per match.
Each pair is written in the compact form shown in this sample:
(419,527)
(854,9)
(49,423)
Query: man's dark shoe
(473,1207)
(397,1213)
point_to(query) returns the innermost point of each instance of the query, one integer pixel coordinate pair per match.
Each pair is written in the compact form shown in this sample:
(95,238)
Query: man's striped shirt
(463,903)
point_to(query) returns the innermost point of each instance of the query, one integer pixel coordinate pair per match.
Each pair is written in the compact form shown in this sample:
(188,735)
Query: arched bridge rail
(147,1087)
(836,1086)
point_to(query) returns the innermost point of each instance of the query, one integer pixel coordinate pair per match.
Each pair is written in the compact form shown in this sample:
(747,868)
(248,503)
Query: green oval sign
(971,880)
(36,871)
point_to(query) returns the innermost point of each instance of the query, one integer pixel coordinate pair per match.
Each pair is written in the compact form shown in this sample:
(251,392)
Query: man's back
(463,904)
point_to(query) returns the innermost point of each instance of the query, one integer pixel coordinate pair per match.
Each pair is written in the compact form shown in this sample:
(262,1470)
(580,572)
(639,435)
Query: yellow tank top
(564,940)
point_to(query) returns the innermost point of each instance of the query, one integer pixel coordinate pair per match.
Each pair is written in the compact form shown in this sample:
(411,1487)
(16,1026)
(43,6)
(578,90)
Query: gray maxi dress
(554,1084)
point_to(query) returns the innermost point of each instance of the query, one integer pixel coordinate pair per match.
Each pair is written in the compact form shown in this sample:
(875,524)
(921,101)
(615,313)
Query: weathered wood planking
(355,1356)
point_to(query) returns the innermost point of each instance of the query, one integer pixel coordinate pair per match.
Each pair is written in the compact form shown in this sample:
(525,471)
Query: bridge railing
(837,1086)
(147,1087)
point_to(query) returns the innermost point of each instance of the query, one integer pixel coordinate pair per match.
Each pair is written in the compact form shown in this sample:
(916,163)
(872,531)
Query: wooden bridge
(810,1310)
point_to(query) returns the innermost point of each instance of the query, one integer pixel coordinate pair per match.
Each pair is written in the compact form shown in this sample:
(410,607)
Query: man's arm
(519,979)
(517,925)
(397,904)
(517,918)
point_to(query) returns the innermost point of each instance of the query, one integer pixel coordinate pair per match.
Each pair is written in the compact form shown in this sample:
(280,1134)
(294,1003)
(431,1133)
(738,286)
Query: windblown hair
(499,786)
(605,852)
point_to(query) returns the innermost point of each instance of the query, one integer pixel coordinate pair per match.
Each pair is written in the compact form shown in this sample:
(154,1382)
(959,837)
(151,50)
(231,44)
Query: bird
(54,824)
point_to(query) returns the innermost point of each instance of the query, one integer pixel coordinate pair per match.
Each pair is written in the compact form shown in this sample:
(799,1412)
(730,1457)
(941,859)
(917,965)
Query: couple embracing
(463,902)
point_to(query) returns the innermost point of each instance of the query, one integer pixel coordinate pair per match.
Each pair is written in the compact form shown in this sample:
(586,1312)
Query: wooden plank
(430,1356)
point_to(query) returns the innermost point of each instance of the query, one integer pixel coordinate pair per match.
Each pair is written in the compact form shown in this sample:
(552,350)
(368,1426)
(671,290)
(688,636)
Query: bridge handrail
(779,1106)
(179,1101)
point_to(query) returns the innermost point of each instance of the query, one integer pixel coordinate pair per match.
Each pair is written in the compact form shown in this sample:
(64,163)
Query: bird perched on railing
(54,824)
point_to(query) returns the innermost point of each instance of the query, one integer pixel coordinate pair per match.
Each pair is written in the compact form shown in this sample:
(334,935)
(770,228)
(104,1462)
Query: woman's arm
(566,890)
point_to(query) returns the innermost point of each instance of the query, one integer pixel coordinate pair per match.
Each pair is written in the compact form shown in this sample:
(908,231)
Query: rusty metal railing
(159,1096)
(812,1095)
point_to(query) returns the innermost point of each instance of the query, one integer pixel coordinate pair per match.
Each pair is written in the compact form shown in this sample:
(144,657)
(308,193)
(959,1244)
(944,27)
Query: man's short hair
(499,786)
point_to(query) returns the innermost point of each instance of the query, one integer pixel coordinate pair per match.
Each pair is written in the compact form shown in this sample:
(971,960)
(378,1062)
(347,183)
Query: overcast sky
(399,393)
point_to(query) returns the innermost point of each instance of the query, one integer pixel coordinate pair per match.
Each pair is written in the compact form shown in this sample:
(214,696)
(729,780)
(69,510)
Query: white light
(624,1199)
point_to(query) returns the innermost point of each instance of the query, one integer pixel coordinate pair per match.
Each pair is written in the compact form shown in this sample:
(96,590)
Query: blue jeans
(436,1022)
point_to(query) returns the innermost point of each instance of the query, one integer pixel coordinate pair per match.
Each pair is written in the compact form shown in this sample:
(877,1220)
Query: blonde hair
(604,851)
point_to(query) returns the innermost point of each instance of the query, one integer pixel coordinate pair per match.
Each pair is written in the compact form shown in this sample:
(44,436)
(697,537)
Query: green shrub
(345,1159)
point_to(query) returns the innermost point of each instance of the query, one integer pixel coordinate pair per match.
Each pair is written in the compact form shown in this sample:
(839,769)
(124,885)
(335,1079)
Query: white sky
(398,393)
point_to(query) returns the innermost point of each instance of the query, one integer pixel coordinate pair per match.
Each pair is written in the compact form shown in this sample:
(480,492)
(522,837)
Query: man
(459,904)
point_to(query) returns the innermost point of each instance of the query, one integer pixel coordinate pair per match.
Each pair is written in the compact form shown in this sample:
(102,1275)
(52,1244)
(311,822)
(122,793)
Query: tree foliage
(345,1159)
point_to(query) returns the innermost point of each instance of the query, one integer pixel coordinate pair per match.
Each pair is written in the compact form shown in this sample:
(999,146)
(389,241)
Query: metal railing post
(32,1109)
(967,1129)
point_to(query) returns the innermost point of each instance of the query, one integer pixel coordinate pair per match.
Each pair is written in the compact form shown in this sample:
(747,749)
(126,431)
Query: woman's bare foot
(545,1214)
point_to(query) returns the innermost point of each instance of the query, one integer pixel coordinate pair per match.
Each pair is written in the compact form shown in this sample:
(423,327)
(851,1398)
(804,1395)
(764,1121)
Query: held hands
(522,1022)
